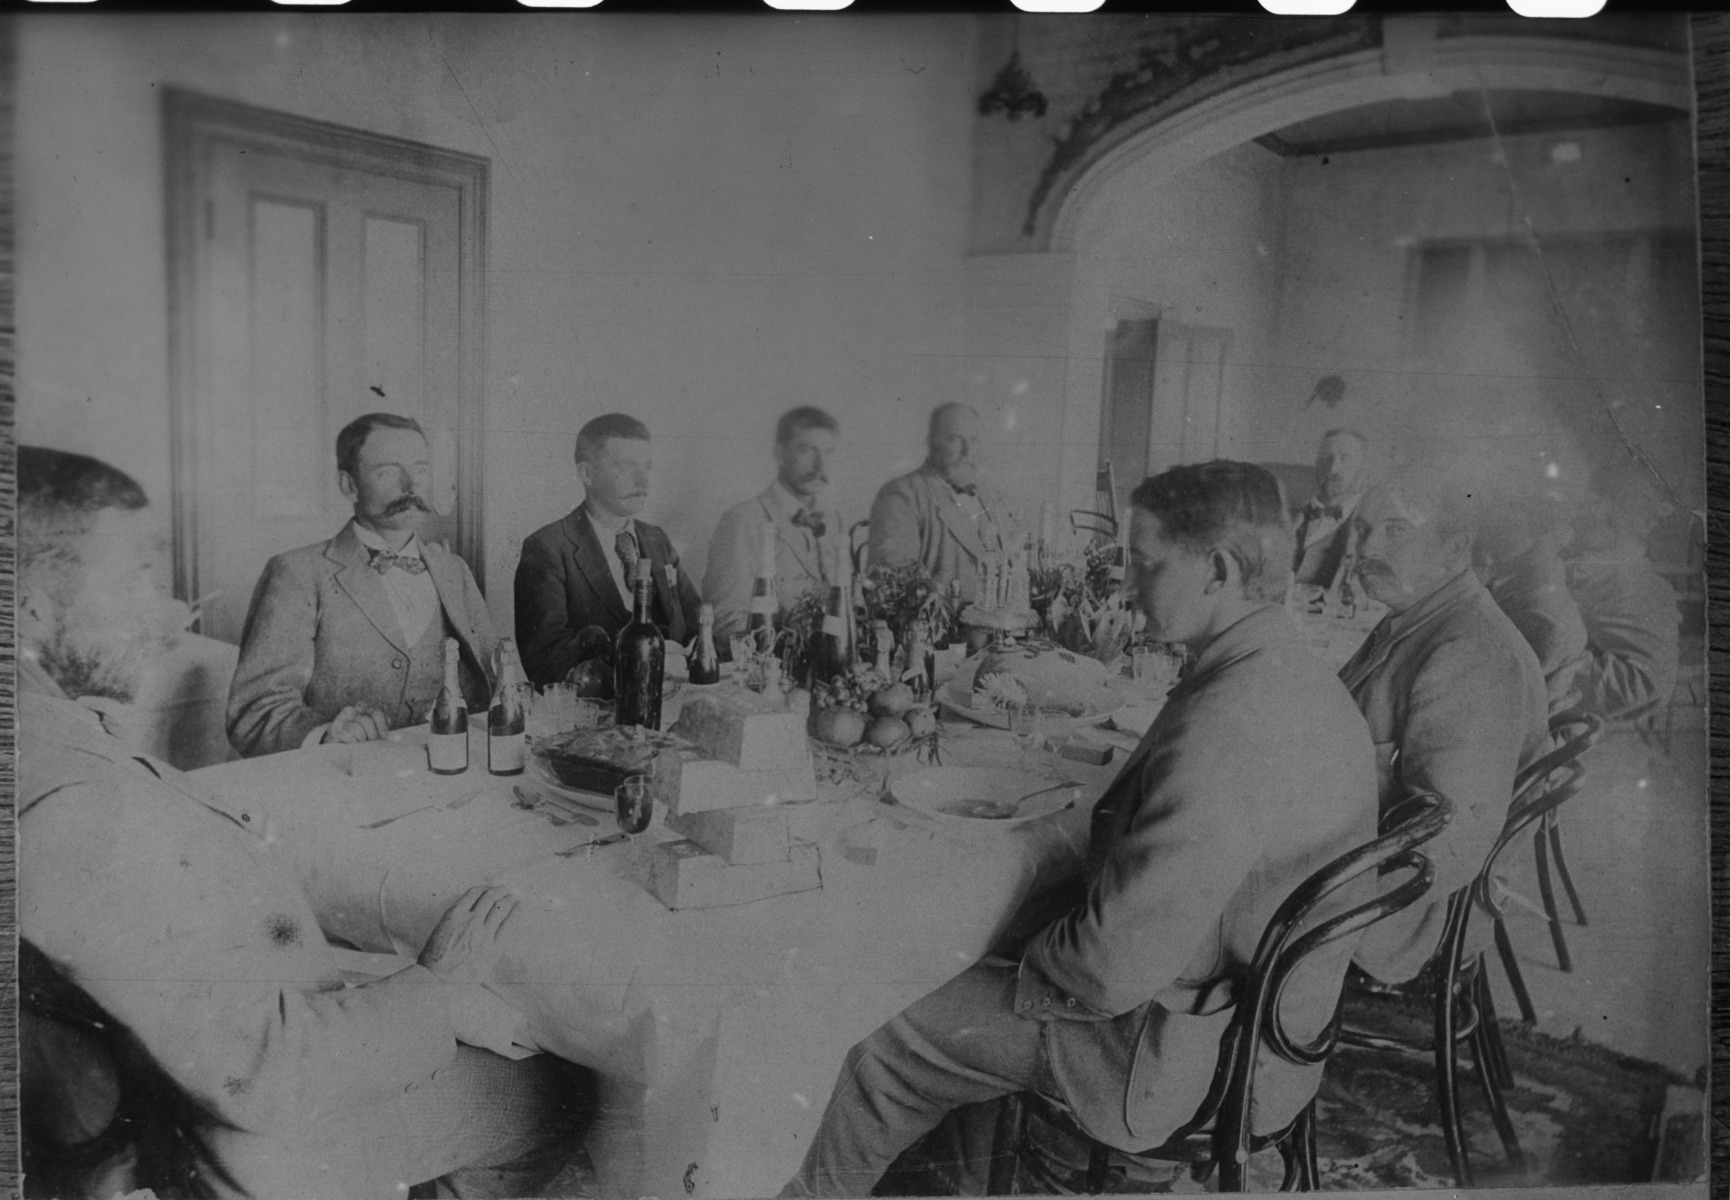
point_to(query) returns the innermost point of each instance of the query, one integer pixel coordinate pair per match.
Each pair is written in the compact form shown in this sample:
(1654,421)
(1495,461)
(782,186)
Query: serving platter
(982,797)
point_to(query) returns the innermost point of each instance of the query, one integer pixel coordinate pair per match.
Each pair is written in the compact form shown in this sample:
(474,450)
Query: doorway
(316,273)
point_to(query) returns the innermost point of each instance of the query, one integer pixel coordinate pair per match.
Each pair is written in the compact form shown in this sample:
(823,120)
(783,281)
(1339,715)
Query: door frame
(193,124)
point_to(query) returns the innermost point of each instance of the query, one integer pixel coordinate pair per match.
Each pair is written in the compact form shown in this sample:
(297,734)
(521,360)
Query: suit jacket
(1257,772)
(565,585)
(167,905)
(321,634)
(803,563)
(1456,704)
(1532,590)
(915,519)
(1323,562)
(1632,626)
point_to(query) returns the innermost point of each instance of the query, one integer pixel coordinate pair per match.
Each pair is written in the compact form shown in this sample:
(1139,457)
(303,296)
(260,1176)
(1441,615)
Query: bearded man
(345,638)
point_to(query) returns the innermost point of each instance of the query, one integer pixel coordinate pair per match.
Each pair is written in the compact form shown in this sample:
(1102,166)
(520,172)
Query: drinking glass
(1030,727)
(552,710)
(1154,667)
(588,713)
(634,804)
(744,650)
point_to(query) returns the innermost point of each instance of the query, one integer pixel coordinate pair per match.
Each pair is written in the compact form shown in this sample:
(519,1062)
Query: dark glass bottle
(832,655)
(639,661)
(507,718)
(448,742)
(760,618)
(706,665)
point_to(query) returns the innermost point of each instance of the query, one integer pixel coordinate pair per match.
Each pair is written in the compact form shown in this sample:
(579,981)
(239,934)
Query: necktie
(625,546)
(1333,511)
(810,520)
(383,560)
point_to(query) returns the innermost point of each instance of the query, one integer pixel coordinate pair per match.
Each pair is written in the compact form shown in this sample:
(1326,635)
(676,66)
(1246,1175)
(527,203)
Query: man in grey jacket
(1256,773)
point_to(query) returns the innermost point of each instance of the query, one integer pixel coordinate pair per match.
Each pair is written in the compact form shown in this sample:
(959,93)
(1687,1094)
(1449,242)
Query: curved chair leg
(1098,1167)
(1553,826)
(1517,981)
(1487,1010)
(1006,1139)
(1291,1159)
(1447,1079)
(1484,1058)
(1303,1148)
(1548,892)
(1231,1175)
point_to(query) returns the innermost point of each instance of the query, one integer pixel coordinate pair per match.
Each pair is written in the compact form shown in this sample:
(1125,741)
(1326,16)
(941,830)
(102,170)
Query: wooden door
(1187,395)
(318,284)
(1130,362)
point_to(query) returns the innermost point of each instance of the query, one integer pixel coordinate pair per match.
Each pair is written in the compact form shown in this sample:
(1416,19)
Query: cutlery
(557,813)
(594,845)
(1067,783)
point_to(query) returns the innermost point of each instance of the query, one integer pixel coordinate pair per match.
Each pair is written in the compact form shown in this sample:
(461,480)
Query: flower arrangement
(903,596)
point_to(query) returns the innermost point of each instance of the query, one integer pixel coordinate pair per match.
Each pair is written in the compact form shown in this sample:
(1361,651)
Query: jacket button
(1026,1005)
(246,816)
(396,664)
(1045,1003)
(1069,1003)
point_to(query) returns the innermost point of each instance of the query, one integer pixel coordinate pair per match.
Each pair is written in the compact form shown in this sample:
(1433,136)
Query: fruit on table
(593,679)
(592,642)
(839,726)
(887,732)
(892,701)
(921,721)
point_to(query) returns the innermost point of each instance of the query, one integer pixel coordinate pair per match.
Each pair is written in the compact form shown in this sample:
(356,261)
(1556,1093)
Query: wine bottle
(760,617)
(447,745)
(507,718)
(706,666)
(832,655)
(639,661)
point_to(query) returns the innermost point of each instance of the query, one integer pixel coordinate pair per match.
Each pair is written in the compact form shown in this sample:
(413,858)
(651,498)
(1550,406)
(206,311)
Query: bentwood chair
(1539,791)
(1219,1135)
(1099,521)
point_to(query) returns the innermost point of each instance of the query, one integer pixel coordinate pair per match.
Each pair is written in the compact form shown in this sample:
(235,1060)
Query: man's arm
(486,641)
(267,711)
(544,630)
(690,603)
(733,555)
(894,527)
(1633,648)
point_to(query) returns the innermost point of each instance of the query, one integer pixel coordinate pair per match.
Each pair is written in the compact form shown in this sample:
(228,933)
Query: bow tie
(1333,511)
(383,560)
(971,489)
(811,520)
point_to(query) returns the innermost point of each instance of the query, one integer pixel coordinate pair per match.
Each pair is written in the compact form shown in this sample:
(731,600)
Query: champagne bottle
(639,661)
(760,618)
(706,666)
(832,655)
(447,745)
(507,718)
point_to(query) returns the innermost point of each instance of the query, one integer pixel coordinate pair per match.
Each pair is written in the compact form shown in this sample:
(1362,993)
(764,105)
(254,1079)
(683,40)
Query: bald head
(951,441)
(1414,535)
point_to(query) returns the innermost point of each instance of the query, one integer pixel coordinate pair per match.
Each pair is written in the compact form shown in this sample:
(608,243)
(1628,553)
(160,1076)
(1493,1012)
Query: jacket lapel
(957,522)
(591,560)
(787,535)
(446,573)
(361,585)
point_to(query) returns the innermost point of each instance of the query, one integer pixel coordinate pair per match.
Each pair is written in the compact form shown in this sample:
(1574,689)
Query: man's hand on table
(356,723)
(463,949)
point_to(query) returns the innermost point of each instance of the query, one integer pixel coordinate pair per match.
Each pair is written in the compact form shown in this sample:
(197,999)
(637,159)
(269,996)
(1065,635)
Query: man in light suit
(939,515)
(345,638)
(1323,526)
(1256,773)
(1453,695)
(810,536)
(168,907)
(579,571)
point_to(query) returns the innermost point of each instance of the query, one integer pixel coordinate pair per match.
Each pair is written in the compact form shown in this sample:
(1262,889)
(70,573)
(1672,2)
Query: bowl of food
(982,797)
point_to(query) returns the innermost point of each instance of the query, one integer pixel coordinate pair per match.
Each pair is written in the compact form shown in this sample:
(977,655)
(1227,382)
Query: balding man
(939,516)
(1453,695)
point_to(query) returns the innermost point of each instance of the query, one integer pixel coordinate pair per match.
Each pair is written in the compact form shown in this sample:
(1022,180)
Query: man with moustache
(184,1026)
(1324,525)
(579,571)
(939,516)
(1453,695)
(1256,772)
(810,536)
(344,640)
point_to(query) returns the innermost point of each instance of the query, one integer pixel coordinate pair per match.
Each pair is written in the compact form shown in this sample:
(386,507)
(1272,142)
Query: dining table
(716,1034)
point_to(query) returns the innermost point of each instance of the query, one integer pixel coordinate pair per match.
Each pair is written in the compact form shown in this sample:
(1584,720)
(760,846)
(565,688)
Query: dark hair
(168,1127)
(355,433)
(74,483)
(1342,431)
(1235,506)
(594,435)
(795,421)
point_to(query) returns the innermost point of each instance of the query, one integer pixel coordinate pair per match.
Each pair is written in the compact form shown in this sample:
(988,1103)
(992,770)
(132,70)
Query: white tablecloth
(718,1034)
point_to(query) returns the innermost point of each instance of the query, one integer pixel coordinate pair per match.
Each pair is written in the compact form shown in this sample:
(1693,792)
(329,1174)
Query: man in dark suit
(345,638)
(1324,542)
(1256,773)
(579,571)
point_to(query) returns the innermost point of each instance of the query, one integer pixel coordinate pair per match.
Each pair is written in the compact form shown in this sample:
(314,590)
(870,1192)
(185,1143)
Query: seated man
(345,638)
(578,572)
(1255,774)
(1452,693)
(1632,622)
(167,909)
(1515,555)
(810,537)
(1323,526)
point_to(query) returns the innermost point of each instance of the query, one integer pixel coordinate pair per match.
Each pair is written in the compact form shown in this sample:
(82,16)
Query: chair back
(1101,519)
(1284,947)
(1544,786)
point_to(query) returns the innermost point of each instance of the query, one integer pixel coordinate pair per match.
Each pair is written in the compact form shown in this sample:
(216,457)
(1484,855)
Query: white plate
(963,795)
(956,697)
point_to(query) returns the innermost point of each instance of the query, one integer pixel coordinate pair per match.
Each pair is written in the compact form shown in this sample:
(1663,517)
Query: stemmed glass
(634,804)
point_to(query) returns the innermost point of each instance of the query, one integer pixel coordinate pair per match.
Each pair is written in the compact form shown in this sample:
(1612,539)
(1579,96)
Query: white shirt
(413,597)
(609,539)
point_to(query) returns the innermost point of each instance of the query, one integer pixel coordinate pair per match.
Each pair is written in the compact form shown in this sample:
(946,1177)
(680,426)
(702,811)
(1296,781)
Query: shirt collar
(789,503)
(602,531)
(372,541)
(1258,629)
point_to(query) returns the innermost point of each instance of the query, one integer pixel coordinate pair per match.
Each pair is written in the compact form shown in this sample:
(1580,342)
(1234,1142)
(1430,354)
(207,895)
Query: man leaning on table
(1257,772)
(345,638)
(1453,694)
(810,536)
(579,571)
(187,961)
